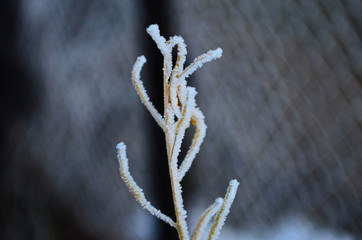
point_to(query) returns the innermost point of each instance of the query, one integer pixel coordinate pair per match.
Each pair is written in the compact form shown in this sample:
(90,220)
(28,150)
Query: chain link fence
(283,108)
(283,105)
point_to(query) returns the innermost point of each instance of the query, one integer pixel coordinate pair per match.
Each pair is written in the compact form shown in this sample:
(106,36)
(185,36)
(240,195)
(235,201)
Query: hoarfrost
(179,113)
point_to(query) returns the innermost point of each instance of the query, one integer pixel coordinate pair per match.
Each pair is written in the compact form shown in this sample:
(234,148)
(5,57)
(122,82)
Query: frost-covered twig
(138,84)
(134,188)
(179,112)
(205,218)
(224,210)
(198,121)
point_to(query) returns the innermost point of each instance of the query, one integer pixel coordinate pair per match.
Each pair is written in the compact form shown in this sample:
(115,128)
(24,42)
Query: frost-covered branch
(197,120)
(138,84)
(180,111)
(224,210)
(205,219)
(134,188)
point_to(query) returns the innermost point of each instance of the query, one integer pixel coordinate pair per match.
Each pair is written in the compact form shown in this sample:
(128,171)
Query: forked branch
(180,111)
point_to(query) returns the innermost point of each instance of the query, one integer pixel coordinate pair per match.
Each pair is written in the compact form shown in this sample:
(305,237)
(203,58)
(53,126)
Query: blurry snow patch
(140,226)
(290,228)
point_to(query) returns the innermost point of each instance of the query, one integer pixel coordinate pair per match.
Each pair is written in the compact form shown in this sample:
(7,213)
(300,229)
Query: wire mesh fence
(283,108)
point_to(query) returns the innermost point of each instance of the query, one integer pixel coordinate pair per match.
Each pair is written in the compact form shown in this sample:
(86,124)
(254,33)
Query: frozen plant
(179,112)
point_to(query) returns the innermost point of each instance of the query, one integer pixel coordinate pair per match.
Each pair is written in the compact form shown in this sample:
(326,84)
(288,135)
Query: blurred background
(283,108)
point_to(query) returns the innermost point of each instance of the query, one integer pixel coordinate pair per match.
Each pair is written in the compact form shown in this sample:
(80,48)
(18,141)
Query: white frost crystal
(180,111)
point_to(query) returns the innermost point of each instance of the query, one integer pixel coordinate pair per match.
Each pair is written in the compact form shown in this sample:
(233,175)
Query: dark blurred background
(283,108)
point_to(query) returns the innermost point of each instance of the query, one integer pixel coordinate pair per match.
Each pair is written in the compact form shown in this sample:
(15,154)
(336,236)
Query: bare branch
(184,122)
(205,219)
(224,210)
(179,112)
(138,85)
(199,61)
(198,121)
(135,189)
